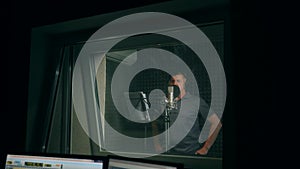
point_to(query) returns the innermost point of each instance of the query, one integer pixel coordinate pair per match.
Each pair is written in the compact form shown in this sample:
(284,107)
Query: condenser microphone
(170,100)
(170,95)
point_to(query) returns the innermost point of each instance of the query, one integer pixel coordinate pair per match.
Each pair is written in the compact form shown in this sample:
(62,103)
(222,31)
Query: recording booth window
(122,103)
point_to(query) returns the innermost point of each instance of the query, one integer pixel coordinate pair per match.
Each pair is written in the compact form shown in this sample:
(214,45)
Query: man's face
(178,80)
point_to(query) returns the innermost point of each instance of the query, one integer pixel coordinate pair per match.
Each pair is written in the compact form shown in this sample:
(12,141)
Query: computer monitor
(54,161)
(120,162)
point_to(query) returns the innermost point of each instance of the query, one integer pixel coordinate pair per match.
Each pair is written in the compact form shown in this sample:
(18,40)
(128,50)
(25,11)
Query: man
(186,101)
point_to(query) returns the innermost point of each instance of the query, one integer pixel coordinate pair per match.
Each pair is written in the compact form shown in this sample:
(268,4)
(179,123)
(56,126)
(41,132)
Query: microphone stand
(147,117)
(169,107)
(167,125)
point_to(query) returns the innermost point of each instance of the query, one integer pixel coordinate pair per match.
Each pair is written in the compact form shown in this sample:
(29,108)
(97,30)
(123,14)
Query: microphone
(145,106)
(171,103)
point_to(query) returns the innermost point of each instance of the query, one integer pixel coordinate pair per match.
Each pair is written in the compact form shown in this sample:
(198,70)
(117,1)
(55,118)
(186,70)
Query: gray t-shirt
(194,109)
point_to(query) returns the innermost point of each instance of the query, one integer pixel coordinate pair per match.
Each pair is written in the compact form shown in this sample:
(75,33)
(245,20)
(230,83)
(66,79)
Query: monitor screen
(117,162)
(19,161)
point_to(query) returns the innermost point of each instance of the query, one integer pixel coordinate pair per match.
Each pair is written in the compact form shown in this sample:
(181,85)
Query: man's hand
(158,148)
(202,151)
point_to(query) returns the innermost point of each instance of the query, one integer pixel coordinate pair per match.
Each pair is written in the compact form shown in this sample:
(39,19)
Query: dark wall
(18,19)
(252,28)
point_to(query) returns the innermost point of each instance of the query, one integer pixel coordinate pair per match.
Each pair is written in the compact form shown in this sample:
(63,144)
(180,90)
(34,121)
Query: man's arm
(215,127)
